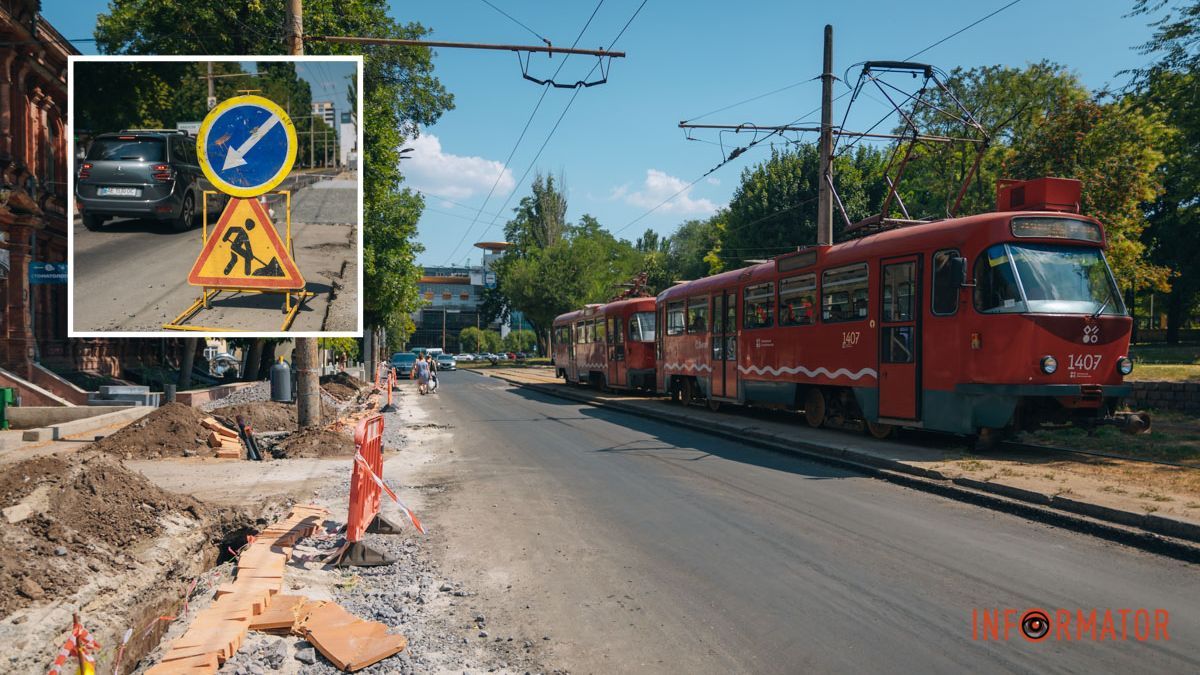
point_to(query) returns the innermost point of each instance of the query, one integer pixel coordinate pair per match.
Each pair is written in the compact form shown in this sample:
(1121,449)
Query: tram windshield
(641,327)
(1048,279)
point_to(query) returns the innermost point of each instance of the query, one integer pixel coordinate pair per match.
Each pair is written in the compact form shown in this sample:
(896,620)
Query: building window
(697,315)
(446,296)
(844,293)
(464,296)
(429,295)
(797,300)
(675,318)
(757,306)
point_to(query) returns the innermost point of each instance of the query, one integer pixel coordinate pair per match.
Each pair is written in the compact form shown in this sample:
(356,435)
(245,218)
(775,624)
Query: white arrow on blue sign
(246,146)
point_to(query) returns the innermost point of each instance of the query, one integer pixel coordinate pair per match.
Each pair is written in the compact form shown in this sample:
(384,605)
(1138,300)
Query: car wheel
(187,215)
(93,222)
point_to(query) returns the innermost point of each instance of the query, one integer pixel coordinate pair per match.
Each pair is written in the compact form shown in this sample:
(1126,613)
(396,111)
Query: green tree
(345,348)
(1008,103)
(520,340)
(471,339)
(491,341)
(554,267)
(774,209)
(400,94)
(1170,84)
(1113,148)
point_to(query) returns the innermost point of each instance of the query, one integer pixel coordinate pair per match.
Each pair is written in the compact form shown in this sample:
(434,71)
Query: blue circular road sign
(246,146)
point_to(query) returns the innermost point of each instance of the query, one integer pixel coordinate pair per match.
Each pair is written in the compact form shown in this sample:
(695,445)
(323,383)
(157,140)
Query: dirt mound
(270,415)
(314,443)
(345,379)
(86,514)
(340,391)
(342,386)
(166,432)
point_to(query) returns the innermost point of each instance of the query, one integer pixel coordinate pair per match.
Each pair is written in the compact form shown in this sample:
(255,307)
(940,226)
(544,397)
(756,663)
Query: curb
(1157,534)
(64,429)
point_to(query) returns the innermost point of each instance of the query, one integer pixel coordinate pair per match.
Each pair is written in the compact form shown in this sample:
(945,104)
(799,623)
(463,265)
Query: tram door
(899,341)
(572,366)
(617,366)
(723,376)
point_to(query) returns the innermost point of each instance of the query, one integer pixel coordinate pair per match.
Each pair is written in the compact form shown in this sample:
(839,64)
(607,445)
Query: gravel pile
(446,634)
(261,391)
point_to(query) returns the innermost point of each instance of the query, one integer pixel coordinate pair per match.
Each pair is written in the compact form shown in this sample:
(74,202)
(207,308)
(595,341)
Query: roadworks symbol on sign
(244,252)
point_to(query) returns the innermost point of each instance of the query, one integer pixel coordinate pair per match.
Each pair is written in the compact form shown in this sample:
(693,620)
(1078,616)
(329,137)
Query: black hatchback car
(151,174)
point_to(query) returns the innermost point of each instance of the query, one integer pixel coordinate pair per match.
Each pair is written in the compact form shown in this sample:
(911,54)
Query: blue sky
(618,147)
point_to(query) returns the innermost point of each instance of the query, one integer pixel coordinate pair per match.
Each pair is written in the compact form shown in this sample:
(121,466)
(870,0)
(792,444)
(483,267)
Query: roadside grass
(1162,372)
(1147,352)
(1172,437)
(1165,363)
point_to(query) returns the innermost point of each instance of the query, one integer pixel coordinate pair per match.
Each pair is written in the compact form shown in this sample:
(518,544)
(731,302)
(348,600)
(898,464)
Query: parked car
(446,362)
(512,356)
(152,174)
(465,357)
(521,356)
(403,362)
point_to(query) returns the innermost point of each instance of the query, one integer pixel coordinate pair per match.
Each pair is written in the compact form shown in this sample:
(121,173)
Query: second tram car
(608,346)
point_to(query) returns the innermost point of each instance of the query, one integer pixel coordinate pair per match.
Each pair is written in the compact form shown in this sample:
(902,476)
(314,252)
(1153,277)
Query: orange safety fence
(366,481)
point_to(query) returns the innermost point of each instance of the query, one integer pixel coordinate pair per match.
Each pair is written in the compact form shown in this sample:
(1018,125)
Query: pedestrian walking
(421,374)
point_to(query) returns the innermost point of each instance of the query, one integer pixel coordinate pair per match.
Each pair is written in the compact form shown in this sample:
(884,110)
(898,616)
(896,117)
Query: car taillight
(85,170)
(162,172)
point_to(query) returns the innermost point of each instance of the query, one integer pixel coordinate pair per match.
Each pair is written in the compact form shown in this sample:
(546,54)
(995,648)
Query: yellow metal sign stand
(292,298)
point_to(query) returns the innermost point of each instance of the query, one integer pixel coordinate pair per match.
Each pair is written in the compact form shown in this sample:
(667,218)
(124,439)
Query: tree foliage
(522,340)
(400,94)
(553,266)
(1113,148)
(774,209)
(1008,103)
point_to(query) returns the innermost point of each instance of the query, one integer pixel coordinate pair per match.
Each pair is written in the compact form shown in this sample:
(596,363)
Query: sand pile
(270,415)
(342,386)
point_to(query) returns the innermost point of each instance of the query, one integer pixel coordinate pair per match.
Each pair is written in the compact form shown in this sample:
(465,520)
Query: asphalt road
(636,546)
(132,274)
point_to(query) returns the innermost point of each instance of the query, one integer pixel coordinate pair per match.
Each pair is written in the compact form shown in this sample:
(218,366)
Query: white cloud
(430,169)
(659,186)
(712,181)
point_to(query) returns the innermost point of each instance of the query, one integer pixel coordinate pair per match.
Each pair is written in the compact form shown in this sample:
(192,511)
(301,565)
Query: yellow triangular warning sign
(244,251)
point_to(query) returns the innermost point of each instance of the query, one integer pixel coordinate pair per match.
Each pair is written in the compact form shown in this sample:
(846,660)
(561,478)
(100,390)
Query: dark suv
(137,173)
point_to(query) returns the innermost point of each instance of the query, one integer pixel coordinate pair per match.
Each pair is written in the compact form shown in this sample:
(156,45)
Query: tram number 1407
(1087,362)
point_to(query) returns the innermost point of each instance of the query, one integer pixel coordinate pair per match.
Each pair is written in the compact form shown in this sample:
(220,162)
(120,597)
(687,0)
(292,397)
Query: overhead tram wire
(561,116)
(802,117)
(521,137)
(517,21)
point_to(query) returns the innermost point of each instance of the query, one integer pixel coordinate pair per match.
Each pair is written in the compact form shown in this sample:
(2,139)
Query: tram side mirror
(958,270)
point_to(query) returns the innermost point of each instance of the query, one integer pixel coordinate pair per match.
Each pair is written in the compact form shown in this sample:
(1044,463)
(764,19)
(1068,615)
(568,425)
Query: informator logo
(246,146)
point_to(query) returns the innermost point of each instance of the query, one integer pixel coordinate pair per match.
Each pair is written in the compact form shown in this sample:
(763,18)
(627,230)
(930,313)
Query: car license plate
(119,192)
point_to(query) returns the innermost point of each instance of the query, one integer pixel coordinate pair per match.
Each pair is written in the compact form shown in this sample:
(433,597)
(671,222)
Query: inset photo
(215,194)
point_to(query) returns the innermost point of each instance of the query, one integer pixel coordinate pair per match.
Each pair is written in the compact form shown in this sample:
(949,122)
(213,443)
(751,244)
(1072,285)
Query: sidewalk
(1154,498)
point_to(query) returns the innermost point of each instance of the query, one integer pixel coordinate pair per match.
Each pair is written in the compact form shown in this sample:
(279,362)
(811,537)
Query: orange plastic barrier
(368,464)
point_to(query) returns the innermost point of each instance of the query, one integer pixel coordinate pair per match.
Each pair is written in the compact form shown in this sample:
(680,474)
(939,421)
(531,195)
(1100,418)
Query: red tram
(608,346)
(968,325)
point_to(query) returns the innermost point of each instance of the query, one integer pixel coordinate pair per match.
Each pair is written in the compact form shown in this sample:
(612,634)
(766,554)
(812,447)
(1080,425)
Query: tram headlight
(1125,365)
(1049,364)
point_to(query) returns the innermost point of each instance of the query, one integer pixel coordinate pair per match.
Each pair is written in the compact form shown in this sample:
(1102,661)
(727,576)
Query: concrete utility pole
(304,356)
(824,189)
(212,95)
(295,27)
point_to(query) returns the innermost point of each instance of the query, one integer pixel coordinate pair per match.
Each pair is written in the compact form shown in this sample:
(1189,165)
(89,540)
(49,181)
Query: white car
(465,357)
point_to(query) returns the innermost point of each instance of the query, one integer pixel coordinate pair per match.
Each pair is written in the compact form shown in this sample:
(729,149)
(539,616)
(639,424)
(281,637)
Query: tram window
(757,306)
(945,286)
(995,285)
(600,333)
(897,291)
(641,327)
(797,297)
(697,315)
(898,344)
(844,293)
(731,334)
(617,334)
(675,318)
